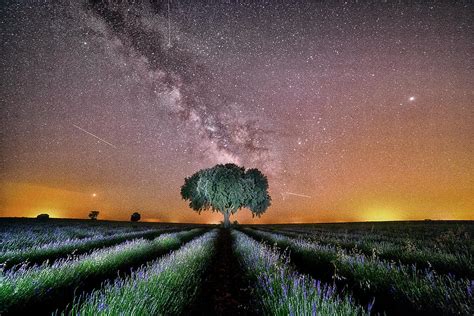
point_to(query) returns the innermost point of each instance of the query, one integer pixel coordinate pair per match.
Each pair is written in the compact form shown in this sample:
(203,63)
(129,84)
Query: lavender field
(116,268)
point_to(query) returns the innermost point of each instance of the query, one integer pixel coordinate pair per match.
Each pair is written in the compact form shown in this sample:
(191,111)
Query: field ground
(104,267)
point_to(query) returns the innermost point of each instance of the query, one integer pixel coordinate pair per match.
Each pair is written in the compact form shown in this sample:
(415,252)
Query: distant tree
(226,189)
(43,217)
(235,223)
(135,217)
(93,215)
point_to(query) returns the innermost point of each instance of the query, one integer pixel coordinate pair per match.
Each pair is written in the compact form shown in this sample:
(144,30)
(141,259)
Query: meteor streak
(112,145)
(297,194)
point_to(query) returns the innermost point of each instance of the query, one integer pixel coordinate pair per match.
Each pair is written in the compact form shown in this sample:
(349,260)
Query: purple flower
(313,309)
(470,287)
(102,306)
(285,291)
(370,305)
(295,282)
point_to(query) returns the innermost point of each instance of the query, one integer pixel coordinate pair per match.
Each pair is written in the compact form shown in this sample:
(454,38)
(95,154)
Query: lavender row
(397,288)
(434,234)
(57,249)
(449,238)
(38,287)
(27,233)
(167,286)
(282,291)
(460,264)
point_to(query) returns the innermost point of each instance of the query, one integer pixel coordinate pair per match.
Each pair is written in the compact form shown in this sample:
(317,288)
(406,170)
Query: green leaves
(190,192)
(227,188)
(260,199)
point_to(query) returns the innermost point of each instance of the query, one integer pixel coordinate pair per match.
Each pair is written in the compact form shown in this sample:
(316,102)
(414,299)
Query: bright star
(411,99)
(94,195)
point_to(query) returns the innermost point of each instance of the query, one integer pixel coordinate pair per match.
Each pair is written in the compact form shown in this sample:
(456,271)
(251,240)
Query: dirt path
(225,289)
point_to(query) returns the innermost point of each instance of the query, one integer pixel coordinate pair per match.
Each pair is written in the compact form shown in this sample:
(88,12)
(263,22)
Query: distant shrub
(93,215)
(42,217)
(135,217)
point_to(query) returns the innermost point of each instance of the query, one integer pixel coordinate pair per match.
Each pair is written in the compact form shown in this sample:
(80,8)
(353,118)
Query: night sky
(354,111)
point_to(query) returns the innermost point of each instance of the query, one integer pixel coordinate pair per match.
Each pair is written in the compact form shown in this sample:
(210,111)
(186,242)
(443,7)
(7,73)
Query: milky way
(348,108)
(178,81)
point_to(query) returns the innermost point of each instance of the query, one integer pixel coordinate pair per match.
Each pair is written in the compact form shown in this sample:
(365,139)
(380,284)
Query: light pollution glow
(366,110)
(24,200)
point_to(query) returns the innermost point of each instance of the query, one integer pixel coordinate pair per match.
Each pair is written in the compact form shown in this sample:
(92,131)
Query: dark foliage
(226,189)
(135,217)
(93,215)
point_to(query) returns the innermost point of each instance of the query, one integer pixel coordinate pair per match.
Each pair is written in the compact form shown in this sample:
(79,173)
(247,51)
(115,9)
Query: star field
(354,111)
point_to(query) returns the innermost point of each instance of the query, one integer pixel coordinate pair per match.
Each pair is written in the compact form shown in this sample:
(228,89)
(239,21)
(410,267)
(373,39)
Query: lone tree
(135,217)
(226,189)
(93,215)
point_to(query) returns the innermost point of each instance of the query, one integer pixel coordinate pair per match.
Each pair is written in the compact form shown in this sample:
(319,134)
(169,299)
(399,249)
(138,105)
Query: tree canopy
(93,215)
(226,189)
(135,217)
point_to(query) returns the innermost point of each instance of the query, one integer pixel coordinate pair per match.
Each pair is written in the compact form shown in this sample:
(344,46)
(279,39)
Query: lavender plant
(282,291)
(402,250)
(166,286)
(403,286)
(61,248)
(34,285)
(31,233)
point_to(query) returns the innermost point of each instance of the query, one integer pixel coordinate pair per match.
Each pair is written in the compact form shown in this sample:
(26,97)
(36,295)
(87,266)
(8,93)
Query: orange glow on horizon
(25,200)
(379,215)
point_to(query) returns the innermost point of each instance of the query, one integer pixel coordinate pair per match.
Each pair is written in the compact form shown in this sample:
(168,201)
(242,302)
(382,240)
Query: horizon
(220,223)
(354,112)
(218,220)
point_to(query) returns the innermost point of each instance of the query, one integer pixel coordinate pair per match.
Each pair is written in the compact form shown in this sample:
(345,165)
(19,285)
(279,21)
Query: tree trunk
(226,219)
